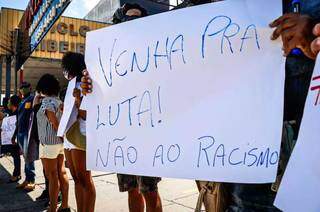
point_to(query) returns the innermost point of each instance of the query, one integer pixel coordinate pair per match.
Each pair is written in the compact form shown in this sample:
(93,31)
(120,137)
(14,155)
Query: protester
(211,194)
(34,136)
(139,188)
(296,32)
(73,64)
(51,147)
(21,134)
(13,105)
(12,149)
(315,45)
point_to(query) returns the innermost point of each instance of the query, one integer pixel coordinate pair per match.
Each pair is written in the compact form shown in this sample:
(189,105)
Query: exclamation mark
(159,104)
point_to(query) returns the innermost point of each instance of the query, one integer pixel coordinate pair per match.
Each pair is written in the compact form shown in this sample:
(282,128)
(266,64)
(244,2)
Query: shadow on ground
(12,199)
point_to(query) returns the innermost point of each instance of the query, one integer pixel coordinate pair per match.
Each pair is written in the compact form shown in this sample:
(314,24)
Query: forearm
(53,120)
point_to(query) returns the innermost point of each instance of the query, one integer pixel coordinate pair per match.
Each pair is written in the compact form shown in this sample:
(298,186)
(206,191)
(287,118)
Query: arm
(78,99)
(52,119)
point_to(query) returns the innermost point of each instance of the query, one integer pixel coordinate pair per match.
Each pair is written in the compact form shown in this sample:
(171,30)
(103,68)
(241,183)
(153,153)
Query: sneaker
(30,187)
(14,179)
(22,185)
(44,196)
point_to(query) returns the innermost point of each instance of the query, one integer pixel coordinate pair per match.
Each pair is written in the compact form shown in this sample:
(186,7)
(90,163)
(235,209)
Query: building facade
(67,34)
(104,10)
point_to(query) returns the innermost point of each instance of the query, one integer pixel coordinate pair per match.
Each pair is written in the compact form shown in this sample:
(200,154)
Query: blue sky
(77,8)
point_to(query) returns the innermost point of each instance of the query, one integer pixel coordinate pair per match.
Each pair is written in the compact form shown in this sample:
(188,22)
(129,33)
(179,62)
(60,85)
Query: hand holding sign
(86,83)
(187,101)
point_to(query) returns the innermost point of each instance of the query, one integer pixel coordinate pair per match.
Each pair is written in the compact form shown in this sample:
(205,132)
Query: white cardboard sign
(301,181)
(67,108)
(194,93)
(7,129)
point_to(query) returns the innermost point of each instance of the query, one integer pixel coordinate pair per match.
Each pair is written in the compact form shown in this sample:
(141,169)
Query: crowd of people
(38,117)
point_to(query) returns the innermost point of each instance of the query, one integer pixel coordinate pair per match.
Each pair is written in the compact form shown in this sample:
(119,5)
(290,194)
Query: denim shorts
(143,183)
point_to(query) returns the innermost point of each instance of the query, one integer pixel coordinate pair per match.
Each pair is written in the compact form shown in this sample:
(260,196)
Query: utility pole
(8,75)
(17,52)
(1,64)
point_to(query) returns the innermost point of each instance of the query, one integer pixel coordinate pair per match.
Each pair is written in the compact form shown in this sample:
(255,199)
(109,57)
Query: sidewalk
(177,195)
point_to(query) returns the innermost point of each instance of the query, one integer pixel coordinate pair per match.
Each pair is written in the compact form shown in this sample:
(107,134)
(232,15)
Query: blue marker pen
(296,4)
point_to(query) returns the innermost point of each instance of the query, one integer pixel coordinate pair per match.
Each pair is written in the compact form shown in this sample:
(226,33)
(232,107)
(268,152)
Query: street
(177,195)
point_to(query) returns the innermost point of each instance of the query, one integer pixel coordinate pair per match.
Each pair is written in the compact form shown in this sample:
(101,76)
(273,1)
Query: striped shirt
(47,134)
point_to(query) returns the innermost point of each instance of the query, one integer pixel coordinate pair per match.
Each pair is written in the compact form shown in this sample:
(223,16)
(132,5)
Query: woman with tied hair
(51,146)
(73,64)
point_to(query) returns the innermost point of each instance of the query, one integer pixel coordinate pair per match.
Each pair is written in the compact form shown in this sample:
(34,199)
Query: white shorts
(69,146)
(51,151)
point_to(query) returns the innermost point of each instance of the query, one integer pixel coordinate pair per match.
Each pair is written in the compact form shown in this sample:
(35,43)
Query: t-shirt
(47,134)
(24,112)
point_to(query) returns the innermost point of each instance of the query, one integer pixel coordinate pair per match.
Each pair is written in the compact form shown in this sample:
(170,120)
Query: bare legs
(84,186)
(136,201)
(56,174)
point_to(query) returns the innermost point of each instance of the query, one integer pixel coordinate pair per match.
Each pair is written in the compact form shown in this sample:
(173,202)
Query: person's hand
(86,83)
(296,32)
(315,45)
(37,99)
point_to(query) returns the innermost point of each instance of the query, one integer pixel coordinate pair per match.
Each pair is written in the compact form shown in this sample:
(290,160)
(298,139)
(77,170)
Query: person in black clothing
(142,190)
(13,105)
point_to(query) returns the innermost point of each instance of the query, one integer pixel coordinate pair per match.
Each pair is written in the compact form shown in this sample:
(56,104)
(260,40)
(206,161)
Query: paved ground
(177,195)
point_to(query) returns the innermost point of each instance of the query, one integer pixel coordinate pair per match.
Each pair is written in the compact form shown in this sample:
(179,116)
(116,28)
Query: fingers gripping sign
(295,31)
(86,83)
(315,45)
